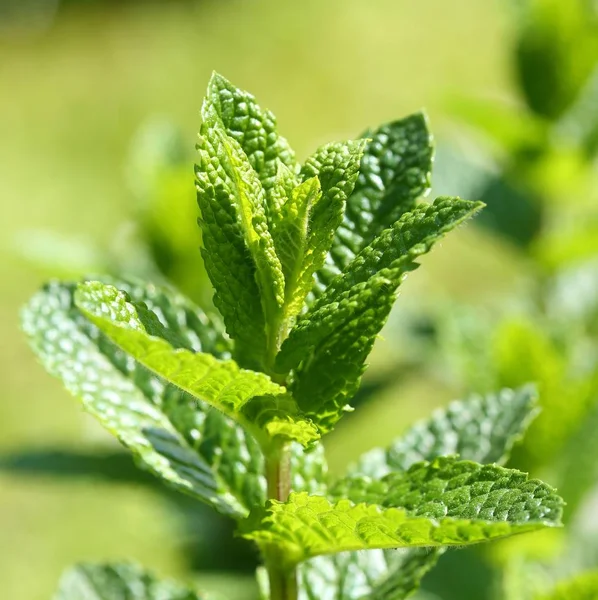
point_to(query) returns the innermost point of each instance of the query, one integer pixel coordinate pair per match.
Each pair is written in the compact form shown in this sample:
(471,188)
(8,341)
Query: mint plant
(305,262)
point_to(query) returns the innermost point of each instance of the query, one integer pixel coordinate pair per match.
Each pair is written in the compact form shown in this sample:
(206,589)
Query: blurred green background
(79,80)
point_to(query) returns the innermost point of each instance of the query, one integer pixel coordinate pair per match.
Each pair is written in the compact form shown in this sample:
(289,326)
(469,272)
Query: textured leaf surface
(481,429)
(583,587)
(119,582)
(372,575)
(330,343)
(336,165)
(253,128)
(192,447)
(291,238)
(251,398)
(457,488)
(395,171)
(284,184)
(446,502)
(238,249)
(252,212)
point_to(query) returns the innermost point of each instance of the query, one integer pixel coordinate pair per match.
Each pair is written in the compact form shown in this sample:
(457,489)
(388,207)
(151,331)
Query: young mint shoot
(306,262)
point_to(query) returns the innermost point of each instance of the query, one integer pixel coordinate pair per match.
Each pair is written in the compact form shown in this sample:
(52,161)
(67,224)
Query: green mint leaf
(482,429)
(330,343)
(112,581)
(457,488)
(582,587)
(291,235)
(373,575)
(248,193)
(253,128)
(186,443)
(395,171)
(252,399)
(336,165)
(284,184)
(443,503)
(237,246)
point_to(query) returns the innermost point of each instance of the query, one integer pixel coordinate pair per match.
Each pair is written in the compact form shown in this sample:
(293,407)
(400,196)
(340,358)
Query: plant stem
(282,578)
(278,473)
(283,582)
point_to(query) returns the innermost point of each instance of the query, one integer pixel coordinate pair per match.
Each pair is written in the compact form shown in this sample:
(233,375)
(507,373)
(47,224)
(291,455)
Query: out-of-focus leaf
(66,255)
(61,463)
(372,575)
(119,581)
(463,574)
(512,211)
(556,52)
(582,587)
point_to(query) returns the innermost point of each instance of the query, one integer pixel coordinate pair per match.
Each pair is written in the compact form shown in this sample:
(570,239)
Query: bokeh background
(99,105)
